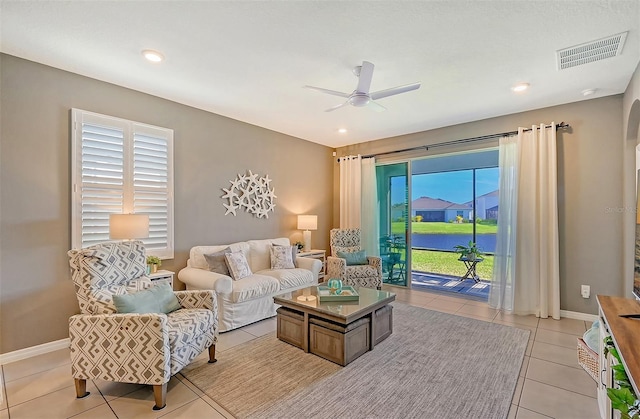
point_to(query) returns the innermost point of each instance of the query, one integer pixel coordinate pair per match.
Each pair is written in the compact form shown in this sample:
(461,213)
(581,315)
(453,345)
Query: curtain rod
(462,141)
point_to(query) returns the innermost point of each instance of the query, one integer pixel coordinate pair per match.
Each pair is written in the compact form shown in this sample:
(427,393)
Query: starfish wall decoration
(251,192)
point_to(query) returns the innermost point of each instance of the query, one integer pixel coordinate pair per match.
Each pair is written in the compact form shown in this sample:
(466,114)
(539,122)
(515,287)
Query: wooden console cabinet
(626,337)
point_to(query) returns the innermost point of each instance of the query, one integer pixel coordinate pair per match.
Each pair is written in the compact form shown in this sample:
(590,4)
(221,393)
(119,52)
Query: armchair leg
(212,354)
(160,395)
(81,388)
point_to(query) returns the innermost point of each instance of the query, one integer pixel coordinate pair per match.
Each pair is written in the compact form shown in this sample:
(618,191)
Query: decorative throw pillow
(238,265)
(281,257)
(157,299)
(294,252)
(354,258)
(217,262)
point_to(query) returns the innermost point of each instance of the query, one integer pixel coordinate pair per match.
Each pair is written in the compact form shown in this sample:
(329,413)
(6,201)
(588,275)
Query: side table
(162,275)
(319,254)
(470,264)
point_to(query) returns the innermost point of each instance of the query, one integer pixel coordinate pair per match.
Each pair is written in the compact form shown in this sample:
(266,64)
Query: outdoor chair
(133,346)
(347,241)
(392,253)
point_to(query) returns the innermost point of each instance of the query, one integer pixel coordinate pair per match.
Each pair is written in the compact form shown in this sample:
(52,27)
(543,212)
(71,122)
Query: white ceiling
(249,60)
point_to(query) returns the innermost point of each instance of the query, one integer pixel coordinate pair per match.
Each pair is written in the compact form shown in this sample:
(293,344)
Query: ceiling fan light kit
(361,96)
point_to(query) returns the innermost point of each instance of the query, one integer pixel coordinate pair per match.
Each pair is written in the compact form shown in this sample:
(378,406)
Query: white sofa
(249,299)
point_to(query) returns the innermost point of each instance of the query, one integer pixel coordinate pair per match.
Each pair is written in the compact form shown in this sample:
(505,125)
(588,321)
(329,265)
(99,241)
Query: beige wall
(590,188)
(36,295)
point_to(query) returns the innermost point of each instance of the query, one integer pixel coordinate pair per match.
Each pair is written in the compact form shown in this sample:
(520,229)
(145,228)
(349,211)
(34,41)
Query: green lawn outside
(447,263)
(443,228)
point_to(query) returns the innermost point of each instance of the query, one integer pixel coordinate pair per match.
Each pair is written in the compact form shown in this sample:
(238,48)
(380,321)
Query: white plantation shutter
(151,186)
(119,166)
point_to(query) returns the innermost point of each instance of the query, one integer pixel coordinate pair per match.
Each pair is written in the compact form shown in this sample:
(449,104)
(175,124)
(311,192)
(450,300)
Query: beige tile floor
(551,383)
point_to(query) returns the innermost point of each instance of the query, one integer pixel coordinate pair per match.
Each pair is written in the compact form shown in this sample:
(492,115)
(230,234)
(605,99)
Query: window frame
(129,130)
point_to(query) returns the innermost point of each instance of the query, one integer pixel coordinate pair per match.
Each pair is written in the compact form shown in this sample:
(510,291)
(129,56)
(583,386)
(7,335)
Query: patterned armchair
(132,348)
(348,240)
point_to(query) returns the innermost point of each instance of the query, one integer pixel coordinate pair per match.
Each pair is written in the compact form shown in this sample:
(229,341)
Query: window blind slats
(106,185)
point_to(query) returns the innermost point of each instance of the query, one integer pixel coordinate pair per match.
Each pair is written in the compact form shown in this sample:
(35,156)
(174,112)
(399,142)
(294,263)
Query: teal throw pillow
(157,299)
(354,258)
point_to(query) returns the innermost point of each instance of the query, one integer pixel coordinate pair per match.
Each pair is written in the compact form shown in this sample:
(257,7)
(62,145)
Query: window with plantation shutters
(121,167)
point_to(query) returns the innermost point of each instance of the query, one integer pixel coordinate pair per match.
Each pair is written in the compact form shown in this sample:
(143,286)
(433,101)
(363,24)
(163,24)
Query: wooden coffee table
(337,331)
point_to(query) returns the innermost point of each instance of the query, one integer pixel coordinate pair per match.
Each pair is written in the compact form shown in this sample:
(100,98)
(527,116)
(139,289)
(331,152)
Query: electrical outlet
(585,290)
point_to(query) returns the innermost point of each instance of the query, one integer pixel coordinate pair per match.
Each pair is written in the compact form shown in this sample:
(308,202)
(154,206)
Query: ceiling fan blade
(394,91)
(337,106)
(376,106)
(366,74)
(327,91)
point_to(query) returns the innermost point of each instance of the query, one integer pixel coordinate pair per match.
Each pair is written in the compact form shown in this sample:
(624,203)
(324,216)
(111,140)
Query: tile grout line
(530,410)
(557,363)
(561,388)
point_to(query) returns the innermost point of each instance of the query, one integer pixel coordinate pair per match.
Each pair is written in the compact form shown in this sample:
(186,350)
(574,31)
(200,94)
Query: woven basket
(588,359)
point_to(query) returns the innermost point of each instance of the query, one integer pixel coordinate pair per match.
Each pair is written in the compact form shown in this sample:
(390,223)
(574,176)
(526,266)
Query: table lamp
(306,223)
(128,226)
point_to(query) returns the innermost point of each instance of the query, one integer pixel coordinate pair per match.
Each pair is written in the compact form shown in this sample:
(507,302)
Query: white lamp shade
(307,222)
(128,226)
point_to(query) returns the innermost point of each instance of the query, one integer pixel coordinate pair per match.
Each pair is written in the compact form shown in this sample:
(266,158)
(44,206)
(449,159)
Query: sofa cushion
(196,255)
(294,253)
(103,270)
(345,249)
(217,262)
(260,252)
(282,257)
(290,278)
(184,326)
(238,265)
(252,287)
(354,258)
(157,299)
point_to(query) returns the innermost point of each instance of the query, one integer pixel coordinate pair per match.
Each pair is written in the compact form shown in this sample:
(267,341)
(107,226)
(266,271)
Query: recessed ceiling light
(342,130)
(520,87)
(589,92)
(153,56)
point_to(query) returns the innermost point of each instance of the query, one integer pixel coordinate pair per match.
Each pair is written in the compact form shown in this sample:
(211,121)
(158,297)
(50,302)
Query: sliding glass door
(428,206)
(393,197)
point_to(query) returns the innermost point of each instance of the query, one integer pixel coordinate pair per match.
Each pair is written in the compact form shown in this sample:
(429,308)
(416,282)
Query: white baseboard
(578,316)
(25,353)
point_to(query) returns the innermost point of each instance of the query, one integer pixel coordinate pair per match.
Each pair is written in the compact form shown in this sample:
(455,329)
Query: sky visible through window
(453,186)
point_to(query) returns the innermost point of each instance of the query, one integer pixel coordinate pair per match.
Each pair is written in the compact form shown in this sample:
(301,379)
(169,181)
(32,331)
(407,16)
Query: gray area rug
(434,365)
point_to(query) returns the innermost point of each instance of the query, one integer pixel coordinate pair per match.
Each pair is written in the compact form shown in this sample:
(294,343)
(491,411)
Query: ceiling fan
(361,96)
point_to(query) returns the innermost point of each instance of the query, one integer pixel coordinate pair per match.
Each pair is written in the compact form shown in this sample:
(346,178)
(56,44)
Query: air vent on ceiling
(591,51)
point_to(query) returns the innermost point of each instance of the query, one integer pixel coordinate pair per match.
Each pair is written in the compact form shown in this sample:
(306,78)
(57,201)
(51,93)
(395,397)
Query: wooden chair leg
(160,395)
(81,388)
(212,354)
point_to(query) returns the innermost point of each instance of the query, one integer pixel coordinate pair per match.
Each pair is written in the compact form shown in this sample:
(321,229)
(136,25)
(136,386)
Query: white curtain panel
(350,191)
(369,214)
(501,291)
(526,267)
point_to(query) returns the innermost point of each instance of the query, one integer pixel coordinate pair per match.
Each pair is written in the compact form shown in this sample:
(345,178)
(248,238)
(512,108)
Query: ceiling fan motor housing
(359,99)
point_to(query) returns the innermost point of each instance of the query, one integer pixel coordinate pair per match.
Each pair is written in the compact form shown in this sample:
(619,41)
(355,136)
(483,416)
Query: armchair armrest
(102,345)
(196,278)
(375,261)
(310,264)
(198,299)
(336,267)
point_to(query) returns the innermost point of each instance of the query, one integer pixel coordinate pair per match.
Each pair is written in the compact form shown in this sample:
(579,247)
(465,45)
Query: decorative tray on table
(348,294)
